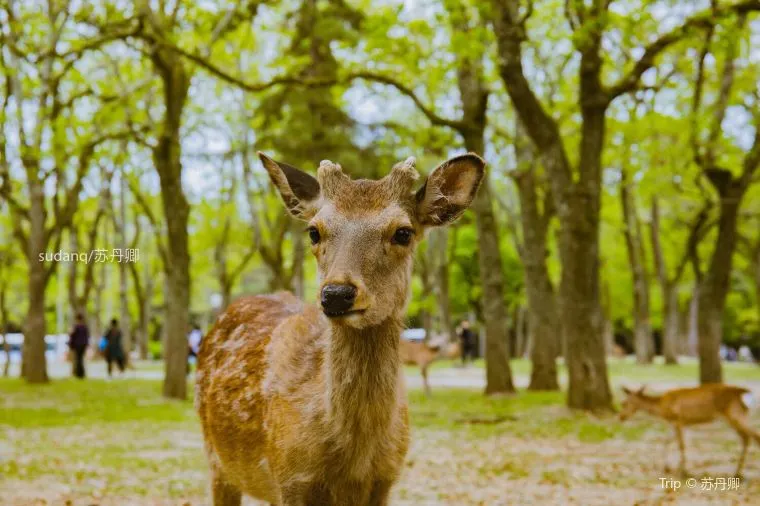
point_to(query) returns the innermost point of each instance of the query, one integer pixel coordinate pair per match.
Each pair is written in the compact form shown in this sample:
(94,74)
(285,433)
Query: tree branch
(703,21)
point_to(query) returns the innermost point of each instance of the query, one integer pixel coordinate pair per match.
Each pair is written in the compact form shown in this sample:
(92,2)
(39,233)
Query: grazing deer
(691,406)
(305,404)
(424,354)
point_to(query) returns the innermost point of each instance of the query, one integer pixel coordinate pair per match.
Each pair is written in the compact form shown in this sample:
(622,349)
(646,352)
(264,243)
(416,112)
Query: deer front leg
(380,492)
(666,445)
(425,380)
(224,494)
(682,448)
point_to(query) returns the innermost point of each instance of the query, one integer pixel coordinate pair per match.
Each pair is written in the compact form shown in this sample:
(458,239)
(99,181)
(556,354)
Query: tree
(669,282)
(79,298)
(642,331)
(536,214)
(577,186)
(45,87)
(154,26)
(730,188)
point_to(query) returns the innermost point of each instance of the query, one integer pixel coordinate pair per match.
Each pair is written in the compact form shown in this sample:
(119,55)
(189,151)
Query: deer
(691,406)
(422,355)
(305,403)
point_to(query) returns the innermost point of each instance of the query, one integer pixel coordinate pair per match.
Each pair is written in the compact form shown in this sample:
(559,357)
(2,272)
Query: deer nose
(337,299)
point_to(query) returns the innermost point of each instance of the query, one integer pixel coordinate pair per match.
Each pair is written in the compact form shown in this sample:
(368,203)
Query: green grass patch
(71,401)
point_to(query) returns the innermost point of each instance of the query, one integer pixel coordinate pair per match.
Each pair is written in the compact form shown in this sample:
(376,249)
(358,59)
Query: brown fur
(690,406)
(300,409)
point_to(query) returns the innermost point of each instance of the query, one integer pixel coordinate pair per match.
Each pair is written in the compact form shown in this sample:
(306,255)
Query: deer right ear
(626,390)
(450,189)
(299,190)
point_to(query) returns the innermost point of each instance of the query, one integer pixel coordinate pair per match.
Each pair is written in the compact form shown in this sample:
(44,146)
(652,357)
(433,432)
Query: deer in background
(423,354)
(305,404)
(690,406)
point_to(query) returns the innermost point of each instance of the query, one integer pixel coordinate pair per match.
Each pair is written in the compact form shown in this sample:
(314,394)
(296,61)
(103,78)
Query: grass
(625,369)
(118,442)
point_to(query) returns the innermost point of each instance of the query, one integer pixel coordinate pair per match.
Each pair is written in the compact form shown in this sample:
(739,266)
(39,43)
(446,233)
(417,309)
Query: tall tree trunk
(439,240)
(34,366)
(498,371)
(669,289)
(714,289)
(167,158)
(642,329)
(126,323)
(521,332)
(4,326)
(693,330)
(577,196)
(542,305)
(683,328)
(147,314)
(34,363)
(670,324)
(176,211)
(756,263)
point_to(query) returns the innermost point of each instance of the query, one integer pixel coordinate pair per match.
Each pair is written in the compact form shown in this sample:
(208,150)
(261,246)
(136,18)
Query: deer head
(633,402)
(363,233)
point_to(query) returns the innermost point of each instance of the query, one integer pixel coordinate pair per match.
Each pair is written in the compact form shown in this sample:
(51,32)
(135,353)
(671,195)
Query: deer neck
(362,368)
(651,404)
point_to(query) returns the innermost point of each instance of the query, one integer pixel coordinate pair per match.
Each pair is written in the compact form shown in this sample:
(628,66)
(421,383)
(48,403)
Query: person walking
(79,338)
(114,352)
(467,338)
(193,345)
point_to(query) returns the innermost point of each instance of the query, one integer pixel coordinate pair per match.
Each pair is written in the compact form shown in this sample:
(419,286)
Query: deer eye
(313,234)
(402,236)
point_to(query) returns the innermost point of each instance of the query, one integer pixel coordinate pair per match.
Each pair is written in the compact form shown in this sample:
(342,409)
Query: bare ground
(442,468)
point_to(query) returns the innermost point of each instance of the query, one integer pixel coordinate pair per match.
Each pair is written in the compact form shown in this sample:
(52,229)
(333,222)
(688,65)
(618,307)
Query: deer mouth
(340,314)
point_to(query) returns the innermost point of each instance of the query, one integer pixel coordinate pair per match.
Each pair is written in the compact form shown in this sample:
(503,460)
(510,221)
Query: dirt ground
(455,469)
(535,455)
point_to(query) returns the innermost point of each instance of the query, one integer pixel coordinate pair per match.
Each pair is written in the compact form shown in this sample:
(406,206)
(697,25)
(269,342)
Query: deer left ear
(449,190)
(626,390)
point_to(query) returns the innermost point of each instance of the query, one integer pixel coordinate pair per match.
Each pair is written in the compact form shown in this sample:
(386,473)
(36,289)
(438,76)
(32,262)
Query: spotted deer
(690,406)
(305,404)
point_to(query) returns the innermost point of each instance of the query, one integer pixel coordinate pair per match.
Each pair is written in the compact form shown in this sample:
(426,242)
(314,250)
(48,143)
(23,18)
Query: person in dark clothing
(467,337)
(78,341)
(114,352)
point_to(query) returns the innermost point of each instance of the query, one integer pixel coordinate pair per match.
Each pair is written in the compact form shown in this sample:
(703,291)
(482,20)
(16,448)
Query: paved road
(470,377)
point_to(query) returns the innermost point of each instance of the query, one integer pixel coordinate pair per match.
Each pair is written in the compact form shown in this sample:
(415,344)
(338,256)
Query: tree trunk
(439,240)
(498,371)
(669,289)
(126,324)
(4,328)
(683,328)
(34,361)
(693,331)
(167,158)
(642,330)
(714,289)
(579,304)
(577,199)
(520,332)
(147,314)
(176,212)
(542,304)
(670,324)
